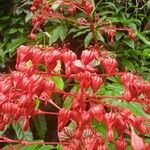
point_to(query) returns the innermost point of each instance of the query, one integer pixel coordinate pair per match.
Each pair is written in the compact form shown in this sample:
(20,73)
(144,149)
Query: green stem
(141,37)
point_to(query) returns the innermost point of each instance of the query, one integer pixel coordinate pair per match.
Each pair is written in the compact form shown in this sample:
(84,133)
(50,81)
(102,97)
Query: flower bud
(110,135)
(77,66)
(137,143)
(120,144)
(96,83)
(63,118)
(109,64)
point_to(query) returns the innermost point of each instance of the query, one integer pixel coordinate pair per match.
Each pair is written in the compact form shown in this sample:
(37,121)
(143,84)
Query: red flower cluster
(20,89)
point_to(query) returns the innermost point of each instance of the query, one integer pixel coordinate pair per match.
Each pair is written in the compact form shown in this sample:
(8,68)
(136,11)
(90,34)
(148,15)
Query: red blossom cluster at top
(20,89)
(44,10)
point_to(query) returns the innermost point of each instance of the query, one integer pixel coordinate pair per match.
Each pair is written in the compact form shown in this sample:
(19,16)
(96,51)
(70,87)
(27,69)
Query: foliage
(13,28)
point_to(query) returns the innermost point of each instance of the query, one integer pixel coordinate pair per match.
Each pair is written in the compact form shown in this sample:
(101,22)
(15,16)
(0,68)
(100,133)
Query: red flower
(63,118)
(77,66)
(96,82)
(97,111)
(51,58)
(120,144)
(137,143)
(109,64)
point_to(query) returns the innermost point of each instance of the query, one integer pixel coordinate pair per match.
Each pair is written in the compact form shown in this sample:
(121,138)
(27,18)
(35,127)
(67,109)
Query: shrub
(103,107)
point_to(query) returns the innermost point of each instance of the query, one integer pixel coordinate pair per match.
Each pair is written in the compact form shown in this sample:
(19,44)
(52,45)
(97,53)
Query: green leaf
(41,125)
(129,43)
(99,36)
(47,147)
(28,17)
(25,135)
(11,46)
(59,147)
(101,20)
(113,89)
(12,31)
(30,147)
(100,127)
(58,82)
(55,34)
(128,64)
(143,38)
(119,35)
(63,32)
(21,30)
(146,53)
(88,39)
(68,100)
(134,106)
(2,55)
(37,103)
(107,13)
(81,33)
(113,79)
(137,109)
(77,29)
(55,5)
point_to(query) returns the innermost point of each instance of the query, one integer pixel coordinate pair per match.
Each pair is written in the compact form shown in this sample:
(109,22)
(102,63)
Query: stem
(45,143)
(141,37)
(7,140)
(57,16)
(92,28)
(75,76)
(40,112)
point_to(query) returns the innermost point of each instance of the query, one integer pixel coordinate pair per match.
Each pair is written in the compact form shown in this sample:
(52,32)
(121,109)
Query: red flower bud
(37,55)
(136,142)
(91,143)
(88,7)
(84,79)
(69,56)
(147,90)
(127,95)
(49,86)
(109,64)
(120,144)
(96,83)
(87,56)
(51,58)
(127,79)
(32,36)
(146,146)
(102,147)
(23,54)
(17,78)
(109,119)
(110,135)
(77,66)
(63,118)
(97,112)
(71,10)
(26,125)
(111,34)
